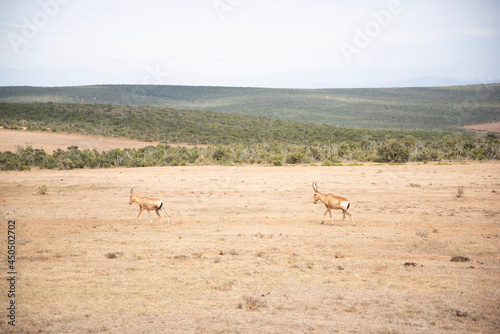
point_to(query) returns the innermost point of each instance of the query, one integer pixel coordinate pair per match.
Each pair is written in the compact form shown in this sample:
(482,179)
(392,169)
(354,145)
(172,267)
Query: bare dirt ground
(489,127)
(246,252)
(50,141)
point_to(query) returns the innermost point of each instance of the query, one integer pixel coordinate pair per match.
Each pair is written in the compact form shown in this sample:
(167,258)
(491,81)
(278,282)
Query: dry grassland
(246,252)
(50,141)
(489,127)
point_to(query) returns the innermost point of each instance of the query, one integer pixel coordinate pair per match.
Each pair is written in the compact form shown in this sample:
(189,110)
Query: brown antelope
(332,202)
(147,203)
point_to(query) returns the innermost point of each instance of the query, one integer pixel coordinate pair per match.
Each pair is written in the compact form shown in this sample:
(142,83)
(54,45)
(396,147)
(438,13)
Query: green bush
(297,157)
(393,151)
(277,160)
(221,154)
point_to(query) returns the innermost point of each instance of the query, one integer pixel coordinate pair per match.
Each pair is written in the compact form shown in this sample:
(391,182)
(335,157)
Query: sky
(250,43)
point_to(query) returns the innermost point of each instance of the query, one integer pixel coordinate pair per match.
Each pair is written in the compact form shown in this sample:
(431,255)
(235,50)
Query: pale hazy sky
(251,43)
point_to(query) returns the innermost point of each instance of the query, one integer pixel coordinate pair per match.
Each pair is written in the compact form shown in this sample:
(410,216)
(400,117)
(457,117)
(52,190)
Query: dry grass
(252,303)
(246,252)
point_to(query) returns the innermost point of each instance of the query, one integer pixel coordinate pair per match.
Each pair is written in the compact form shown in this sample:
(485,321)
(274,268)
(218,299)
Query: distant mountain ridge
(425,108)
(429,82)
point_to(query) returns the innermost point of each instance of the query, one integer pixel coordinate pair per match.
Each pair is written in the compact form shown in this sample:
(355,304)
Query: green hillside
(192,126)
(437,109)
(233,139)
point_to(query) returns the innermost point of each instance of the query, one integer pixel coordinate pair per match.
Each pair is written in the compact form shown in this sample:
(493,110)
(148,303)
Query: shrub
(296,158)
(221,153)
(393,151)
(42,190)
(277,160)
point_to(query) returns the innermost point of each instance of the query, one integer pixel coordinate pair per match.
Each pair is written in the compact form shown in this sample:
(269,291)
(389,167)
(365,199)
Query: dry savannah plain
(246,251)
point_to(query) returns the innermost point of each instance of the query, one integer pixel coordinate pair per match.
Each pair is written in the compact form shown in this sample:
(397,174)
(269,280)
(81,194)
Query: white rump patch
(344,205)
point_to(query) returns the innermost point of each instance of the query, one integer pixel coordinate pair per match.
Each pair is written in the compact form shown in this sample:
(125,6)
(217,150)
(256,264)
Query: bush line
(276,154)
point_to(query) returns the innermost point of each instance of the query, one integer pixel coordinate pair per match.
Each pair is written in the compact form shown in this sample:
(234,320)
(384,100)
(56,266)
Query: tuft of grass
(252,303)
(459,258)
(422,234)
(42,190)
(460,192)
(220,285)
(197,255)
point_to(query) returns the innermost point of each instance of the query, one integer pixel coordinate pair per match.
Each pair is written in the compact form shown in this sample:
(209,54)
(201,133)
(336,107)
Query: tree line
(232,139)
(453,147)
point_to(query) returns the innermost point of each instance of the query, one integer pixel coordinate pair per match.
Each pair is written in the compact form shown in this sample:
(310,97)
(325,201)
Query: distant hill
(148,123)
(428,82)
(436,108)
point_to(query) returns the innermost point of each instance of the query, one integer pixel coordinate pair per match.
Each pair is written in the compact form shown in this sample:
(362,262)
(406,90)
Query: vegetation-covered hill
(190,126)
(234,139)
(436,109)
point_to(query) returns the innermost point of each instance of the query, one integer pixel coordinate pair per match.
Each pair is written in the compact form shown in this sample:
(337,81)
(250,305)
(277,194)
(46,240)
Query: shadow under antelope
(147,203)
(332,202)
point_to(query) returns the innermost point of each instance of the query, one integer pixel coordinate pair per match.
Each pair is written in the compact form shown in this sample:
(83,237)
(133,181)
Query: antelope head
(316,191)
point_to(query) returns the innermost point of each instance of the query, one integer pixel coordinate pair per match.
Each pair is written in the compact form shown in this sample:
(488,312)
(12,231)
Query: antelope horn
(315,186)
(132,191)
